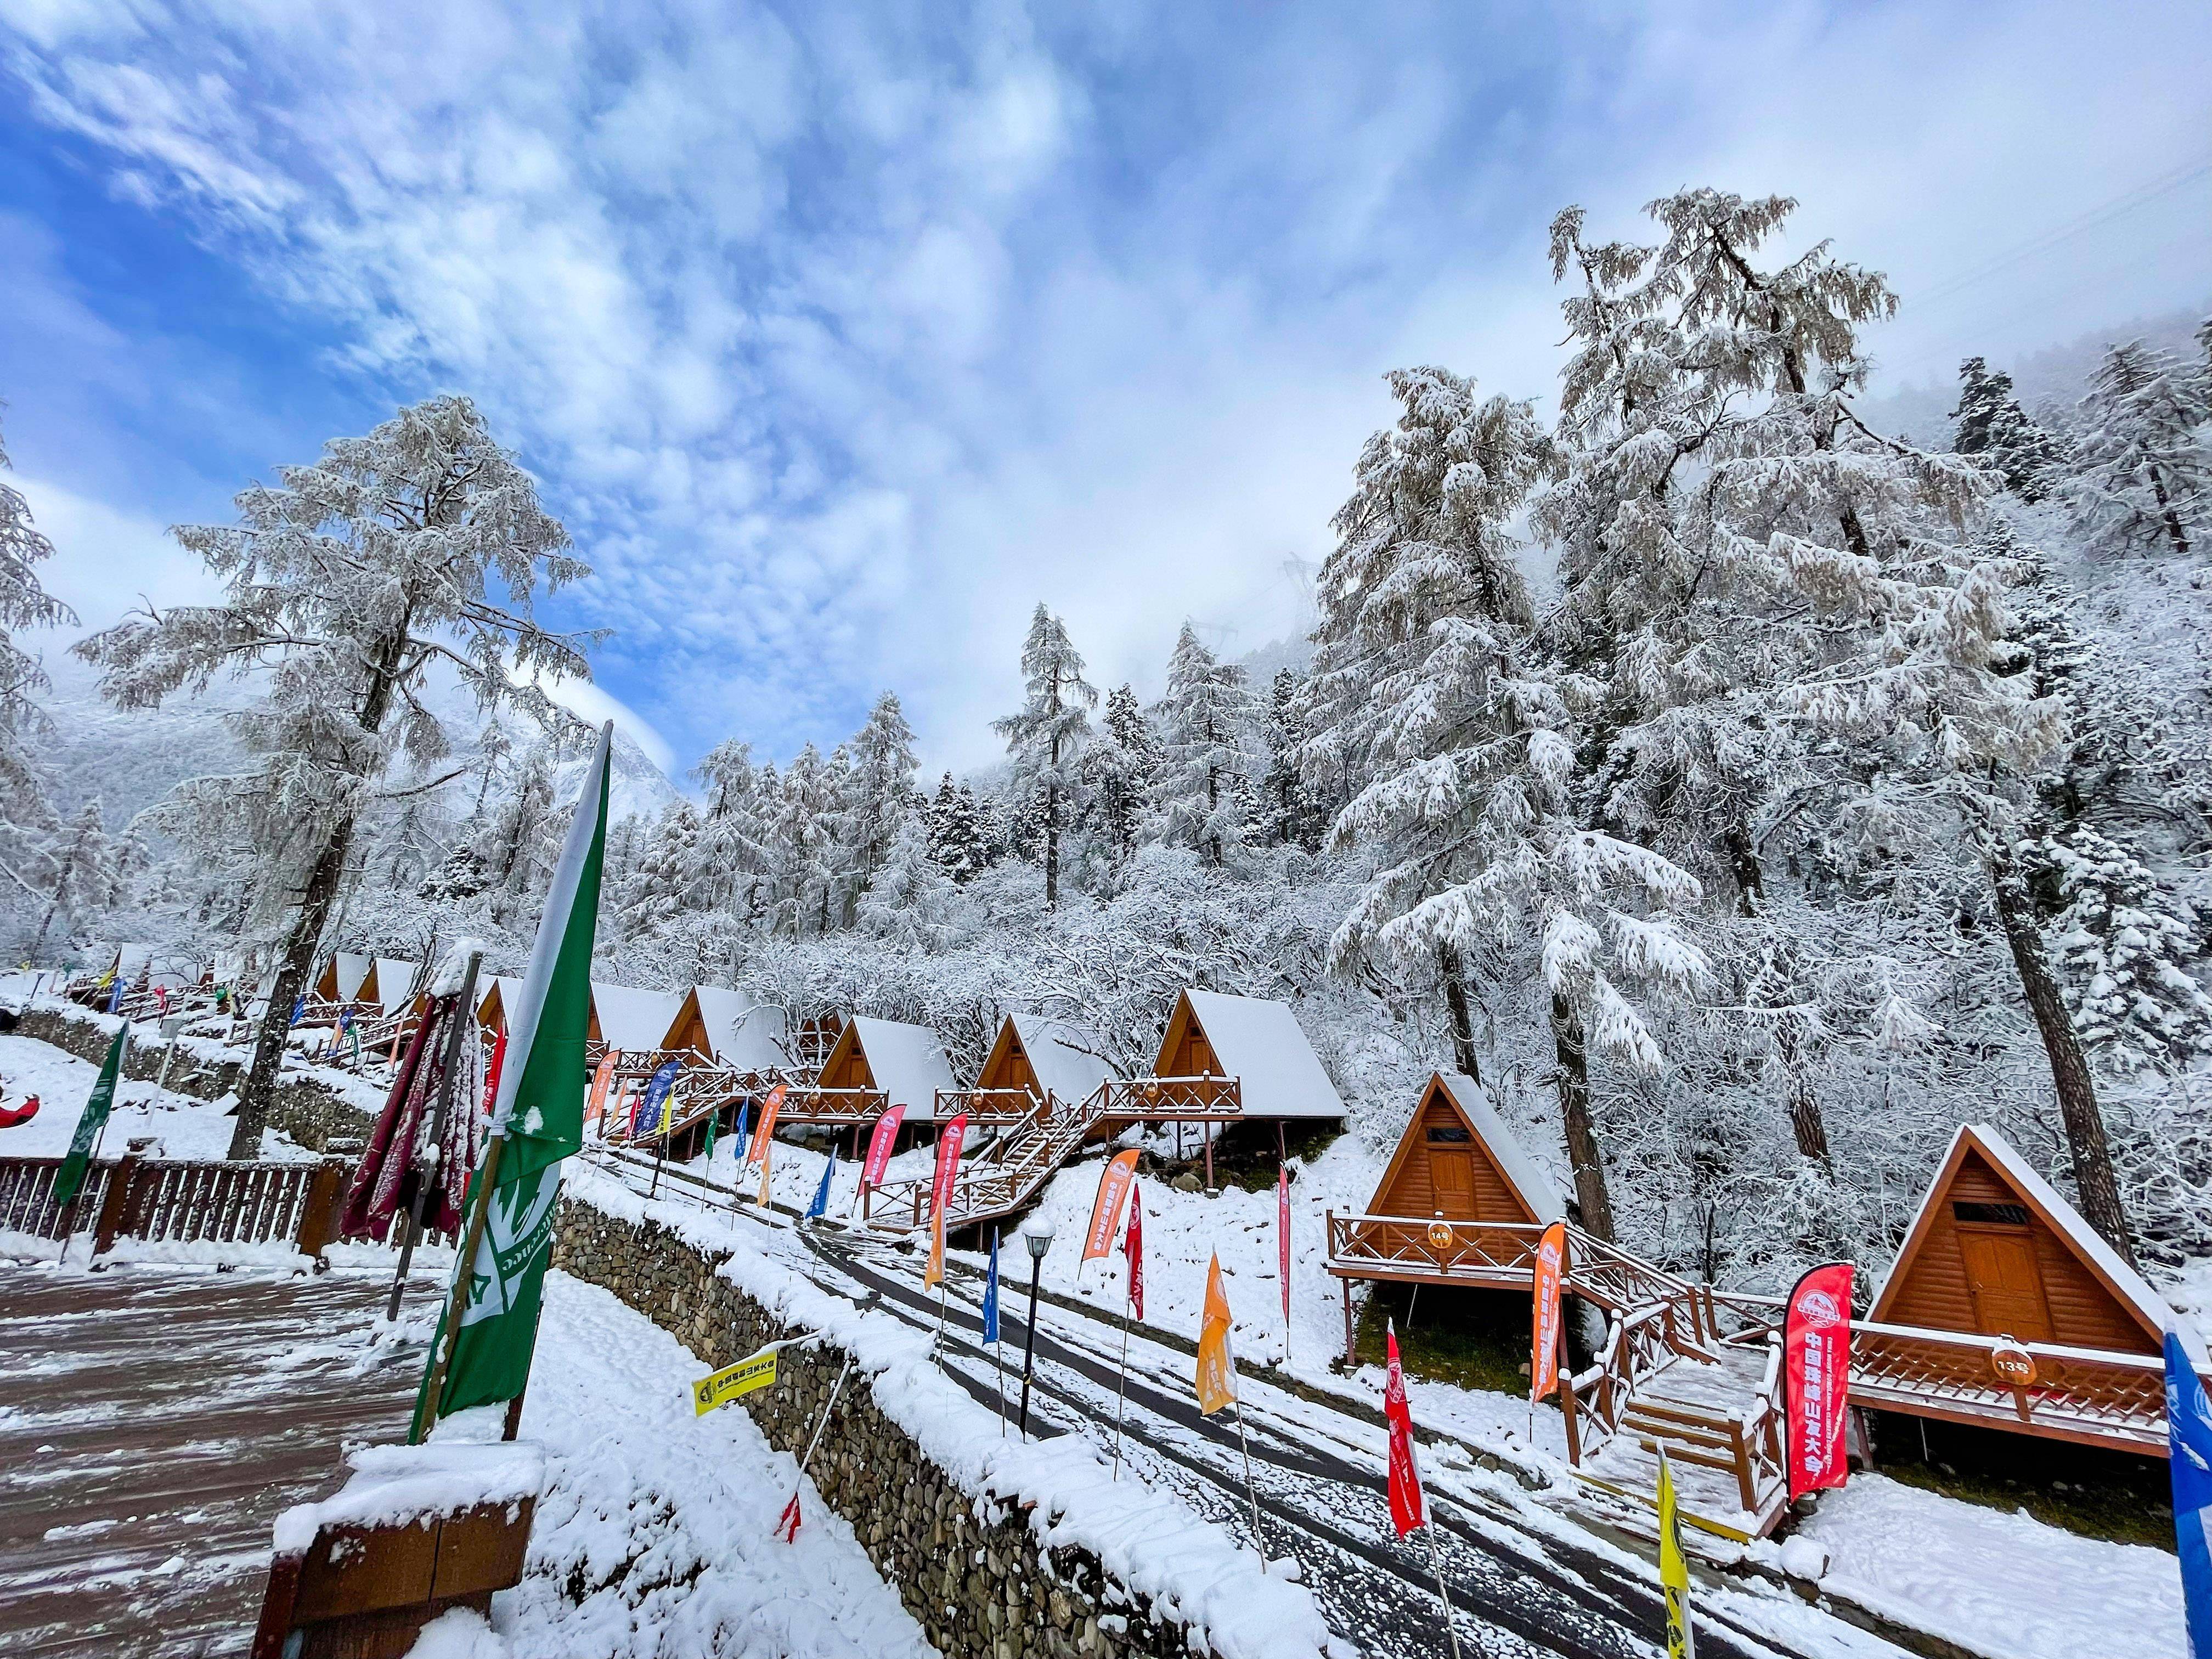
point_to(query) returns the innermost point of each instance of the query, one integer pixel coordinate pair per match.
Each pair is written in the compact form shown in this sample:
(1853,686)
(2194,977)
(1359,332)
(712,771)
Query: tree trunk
(1582,1152)
(2166,514)
(1051,846)
(258,1094)
(1463,1023)
(2098,1190)
(1806,1123)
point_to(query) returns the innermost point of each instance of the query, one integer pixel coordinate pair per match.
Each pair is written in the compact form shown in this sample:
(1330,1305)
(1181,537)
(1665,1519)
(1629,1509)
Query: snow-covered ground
(1998,1583)
(184,1126)
(666,1519)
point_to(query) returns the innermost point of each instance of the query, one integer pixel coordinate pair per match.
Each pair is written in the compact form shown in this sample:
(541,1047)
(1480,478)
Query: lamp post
(1037,1235)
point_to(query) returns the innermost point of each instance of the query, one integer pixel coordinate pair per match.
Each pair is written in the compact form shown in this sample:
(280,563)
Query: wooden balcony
(833,1108)
(1172,1099)
(986,1106)
(2087,1395)
(1436,1251)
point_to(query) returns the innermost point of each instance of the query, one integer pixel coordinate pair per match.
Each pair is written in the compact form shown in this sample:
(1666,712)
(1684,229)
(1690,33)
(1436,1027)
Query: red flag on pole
(1134,1248)
(787,1524)
(1406,1508)
(1283,1247)
(1816,1369)
(940,1193)
(879,1146)
(1544,1346)
(1106,1209)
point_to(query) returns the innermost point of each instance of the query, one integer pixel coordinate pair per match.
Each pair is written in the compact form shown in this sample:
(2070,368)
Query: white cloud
(841,340)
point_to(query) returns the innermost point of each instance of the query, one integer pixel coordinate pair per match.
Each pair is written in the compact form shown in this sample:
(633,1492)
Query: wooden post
(1567,1408)
(318,1215)
(1208,1131)
(1351,1352)
(115,1204)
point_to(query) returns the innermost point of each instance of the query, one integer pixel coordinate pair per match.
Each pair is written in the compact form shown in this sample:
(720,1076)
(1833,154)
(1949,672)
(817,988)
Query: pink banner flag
(1816,1374)
(1544,1344)
(880,1140)
(1283,1247)
(940,1193)
(1133,1246)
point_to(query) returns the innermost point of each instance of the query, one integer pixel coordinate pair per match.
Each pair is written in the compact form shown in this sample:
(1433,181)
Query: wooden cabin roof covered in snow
(395,982)
(1255,1040)
(1458,1160)
(729,1028)
(905,1062)
(344,977)
(1044,1056)
(1995,1249)
(626,1017)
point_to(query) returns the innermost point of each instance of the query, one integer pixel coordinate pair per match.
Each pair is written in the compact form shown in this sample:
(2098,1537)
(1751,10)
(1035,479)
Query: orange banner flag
(1106,1209)
(600,1080)
(1217,1363)
(1544,1344)
(762,1143)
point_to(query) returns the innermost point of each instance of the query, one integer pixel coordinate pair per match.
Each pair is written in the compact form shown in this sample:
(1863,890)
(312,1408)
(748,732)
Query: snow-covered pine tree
(1997,431)
(422,543)
(2141,480)
(1045,738)
(26,814)
(1463,750)
(1203,718)
(2120,947)
(730,850)
(912,894)
(1290,816)
(958,839)
(83,878)
(882,792)
(1119,768)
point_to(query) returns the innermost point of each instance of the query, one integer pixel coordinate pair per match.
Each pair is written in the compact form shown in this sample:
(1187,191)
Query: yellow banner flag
(1217,1365)
(755,1370)
(1674,1568)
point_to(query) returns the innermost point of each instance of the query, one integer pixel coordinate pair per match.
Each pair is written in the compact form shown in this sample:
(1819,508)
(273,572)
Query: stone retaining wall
(307,1108)
(971,1572)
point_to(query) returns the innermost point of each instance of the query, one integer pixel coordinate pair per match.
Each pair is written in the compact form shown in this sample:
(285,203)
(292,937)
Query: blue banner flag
(2189,1427)
(115,997)
(991,1295)
(820,1207)
(299,1007)
(648,1115)
(737,1134)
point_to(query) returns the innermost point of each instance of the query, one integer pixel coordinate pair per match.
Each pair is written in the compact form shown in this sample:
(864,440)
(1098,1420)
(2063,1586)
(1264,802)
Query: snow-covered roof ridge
(1069,1059)
(395,977)
(740,1032)
(631,1016)
(1530,1179)
(1260,1042)
(907,1062)
(2125,1282)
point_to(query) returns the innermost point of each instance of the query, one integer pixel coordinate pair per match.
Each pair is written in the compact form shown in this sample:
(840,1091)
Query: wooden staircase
(1001,1177)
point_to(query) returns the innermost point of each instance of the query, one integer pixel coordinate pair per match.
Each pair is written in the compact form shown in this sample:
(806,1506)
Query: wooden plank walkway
(154,1421)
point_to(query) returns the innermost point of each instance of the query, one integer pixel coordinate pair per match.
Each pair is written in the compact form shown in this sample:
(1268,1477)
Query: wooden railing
(1184,1099)
(1636,1347)
(1018,1165)
(1478,1252)
(987,1106)
(166,1201)
(2083,1394)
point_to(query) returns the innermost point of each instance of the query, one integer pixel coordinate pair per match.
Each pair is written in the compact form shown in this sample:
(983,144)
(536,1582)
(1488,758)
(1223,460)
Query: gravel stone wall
(969,1568)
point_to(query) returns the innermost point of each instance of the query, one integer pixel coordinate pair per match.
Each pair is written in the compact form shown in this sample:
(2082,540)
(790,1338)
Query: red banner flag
(787,1524)
(1406,1510)
(940,1193)
(1283,1247)
(1106,1209)
(1544,1343)
(880,1140)
(491,1073)
(1816,1372)
(1134,1248)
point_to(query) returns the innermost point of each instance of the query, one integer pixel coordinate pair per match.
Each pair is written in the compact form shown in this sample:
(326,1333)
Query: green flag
(96,1109)
(539,1112)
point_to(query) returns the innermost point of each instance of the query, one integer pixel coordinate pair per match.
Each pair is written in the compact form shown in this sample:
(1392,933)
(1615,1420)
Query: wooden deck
(154,1421)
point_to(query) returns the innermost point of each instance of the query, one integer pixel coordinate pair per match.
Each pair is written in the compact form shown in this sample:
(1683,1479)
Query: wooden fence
(173,1201)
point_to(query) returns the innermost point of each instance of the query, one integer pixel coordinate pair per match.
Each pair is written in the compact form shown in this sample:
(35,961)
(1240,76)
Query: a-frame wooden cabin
(727,1028)
(1230,1059)
(347,976)
(1032,1061)
(492,1005)
(1461,1201)
(875,1064)
(2004,1309)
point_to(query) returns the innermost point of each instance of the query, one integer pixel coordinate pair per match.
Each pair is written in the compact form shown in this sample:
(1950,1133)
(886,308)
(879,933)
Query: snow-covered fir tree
(2003,436)
(26,814)
(2141,480)
(83,877)
(1290,815)
(959,838)
(420,544)
(2122,946)
(882,789)
(1045,738)
(1119,770)
(1203,718)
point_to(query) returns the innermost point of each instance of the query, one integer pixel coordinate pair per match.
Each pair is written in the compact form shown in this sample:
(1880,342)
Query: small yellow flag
(1217,1365)
(755,1370)
(1674,1569)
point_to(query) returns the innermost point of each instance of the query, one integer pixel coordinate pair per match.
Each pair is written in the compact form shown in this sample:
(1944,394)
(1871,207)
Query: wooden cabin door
(1451,1175)
(2006,1282)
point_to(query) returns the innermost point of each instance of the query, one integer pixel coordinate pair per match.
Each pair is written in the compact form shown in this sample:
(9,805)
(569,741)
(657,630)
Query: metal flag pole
(1250,1491)
(791,1509)
(440,1118)
(1120,1387)
(1436,1565)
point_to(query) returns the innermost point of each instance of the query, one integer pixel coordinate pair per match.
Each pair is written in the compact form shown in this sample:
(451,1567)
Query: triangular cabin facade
(1460,1202)
(1995,1251)
(1239,1058)
(727,1028)
(347,976)
(876,1064)
(1036,1060)
(498,996)
(629,1018)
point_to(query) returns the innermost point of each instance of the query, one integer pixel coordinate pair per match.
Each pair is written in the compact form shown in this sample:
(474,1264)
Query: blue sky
(840,336)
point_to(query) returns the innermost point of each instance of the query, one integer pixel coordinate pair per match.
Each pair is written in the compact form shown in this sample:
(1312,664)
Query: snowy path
(1526,1581)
